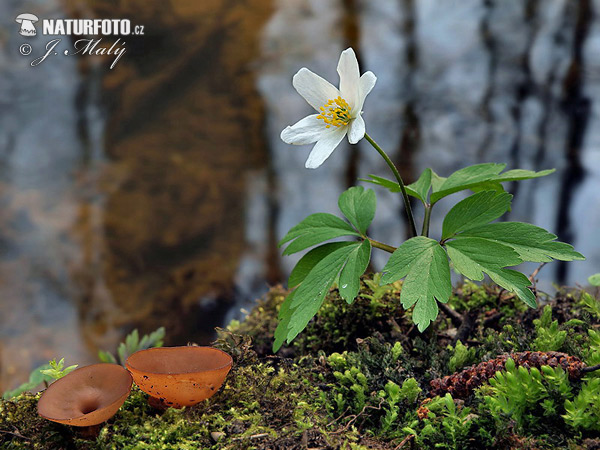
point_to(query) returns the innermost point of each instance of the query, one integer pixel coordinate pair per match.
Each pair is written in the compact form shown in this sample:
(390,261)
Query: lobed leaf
(285,315)
(466,178)
(390,185)
(489,186)
(482,175)
(419,189)
(422,186)
(358,206)
(310,259)
(473,211)
(304,302)
(315,229)
(474,256)
(532,243)
(425,265)
(522,174)
(356,265)
(477,178)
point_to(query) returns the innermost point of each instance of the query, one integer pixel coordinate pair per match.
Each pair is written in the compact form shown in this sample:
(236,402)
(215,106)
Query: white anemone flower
(339,110)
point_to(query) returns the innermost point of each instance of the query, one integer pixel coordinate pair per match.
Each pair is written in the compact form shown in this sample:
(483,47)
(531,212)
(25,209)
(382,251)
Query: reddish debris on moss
(462,384)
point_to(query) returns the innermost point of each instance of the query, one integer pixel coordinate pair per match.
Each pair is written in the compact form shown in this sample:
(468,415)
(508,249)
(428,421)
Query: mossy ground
(358,378)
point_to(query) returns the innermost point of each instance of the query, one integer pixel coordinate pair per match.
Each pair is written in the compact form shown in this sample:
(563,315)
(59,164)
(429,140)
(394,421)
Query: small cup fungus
(87,396)
(179,376)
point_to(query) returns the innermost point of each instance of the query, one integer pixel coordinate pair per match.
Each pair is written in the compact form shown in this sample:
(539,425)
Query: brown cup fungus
(179,376)
(87,396)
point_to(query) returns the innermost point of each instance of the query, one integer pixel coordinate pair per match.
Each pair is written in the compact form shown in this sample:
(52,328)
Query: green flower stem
(426,219)
(382,246)
(391,165)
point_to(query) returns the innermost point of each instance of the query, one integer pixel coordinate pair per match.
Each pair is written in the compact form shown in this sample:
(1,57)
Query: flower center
(335,112)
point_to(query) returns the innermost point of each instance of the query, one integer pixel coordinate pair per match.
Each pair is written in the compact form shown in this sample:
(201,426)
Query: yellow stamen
(335,112)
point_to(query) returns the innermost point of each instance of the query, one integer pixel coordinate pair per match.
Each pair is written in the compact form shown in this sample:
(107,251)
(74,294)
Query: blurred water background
(154,193)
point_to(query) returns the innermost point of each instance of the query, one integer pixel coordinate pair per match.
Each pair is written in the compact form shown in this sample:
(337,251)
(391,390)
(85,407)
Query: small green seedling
(44,374)
(36,378)
(57,369)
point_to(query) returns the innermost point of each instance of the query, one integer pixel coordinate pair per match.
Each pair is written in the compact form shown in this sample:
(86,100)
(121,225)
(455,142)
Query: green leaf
(57,369)
(474,256)
(473,177)
(285,315)
(436,181)
(390,185)
(473,211)
(422,186)
(419,189)
(358,261)
(594,280)
(295,313)
(489,186)
(132,344)
(308,261)
(425,265)
(521,174)
(478,177)
(530,242)
(107,357)
(154,339)
(514,281)
(358,206)
(36,377)
(132,340)
(315,229)
(465,178)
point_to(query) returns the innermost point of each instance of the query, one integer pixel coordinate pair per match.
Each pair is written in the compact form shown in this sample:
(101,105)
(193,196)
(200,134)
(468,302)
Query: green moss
(485,298)
(261,404)
(22,428)
(447,424)
(461,357)
(534,399)
(336,327)
(549,336)
(358,378)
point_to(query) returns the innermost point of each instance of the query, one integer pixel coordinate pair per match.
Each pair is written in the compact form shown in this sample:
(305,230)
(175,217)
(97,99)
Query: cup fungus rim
(56,385)
(130,366)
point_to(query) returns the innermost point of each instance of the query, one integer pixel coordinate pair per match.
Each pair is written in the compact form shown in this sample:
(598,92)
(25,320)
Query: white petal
(305,131)
(356,130)
(349,74)
(325,146)
(315,90)
(365,85)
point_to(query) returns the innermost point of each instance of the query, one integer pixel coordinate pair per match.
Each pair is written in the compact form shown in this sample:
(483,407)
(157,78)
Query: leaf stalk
(426,220)
(381,245)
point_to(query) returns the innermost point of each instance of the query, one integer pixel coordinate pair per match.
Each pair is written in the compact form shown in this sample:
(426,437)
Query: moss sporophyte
(471,240)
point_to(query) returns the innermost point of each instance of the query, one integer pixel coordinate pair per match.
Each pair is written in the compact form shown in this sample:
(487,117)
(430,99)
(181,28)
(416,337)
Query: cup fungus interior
(87,396)
(179,376)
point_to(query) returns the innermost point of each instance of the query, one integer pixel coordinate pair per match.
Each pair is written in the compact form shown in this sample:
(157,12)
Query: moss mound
(359,378)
